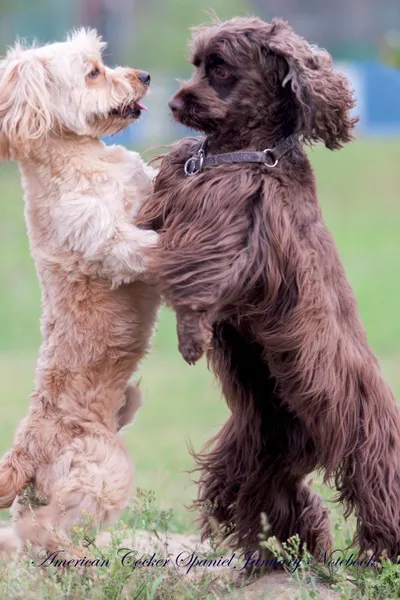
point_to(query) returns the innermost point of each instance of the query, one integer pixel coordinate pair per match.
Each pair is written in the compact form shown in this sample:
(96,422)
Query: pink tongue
(141,106)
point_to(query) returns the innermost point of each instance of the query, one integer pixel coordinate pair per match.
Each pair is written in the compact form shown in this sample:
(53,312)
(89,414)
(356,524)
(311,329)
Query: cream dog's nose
(144,77)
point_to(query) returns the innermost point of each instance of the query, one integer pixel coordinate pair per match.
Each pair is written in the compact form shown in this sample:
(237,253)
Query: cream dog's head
(64,88)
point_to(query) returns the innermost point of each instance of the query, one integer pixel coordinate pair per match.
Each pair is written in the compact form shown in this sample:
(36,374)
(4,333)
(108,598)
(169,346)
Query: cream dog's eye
(95,72)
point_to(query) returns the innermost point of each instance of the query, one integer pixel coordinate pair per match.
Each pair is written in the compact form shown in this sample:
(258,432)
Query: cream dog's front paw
(147,238)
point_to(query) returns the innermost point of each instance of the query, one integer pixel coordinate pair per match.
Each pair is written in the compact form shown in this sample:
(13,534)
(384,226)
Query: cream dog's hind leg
(133,401)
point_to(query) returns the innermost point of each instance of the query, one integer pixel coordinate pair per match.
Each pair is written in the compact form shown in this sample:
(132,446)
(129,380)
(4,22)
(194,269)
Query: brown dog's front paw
(191,350)
(194,336)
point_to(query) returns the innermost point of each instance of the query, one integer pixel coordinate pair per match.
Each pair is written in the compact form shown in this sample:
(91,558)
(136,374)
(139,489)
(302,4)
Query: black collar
(269,157)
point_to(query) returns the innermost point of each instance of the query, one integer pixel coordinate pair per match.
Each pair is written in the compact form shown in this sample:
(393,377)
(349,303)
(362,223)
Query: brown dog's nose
(176,104)
(144,77)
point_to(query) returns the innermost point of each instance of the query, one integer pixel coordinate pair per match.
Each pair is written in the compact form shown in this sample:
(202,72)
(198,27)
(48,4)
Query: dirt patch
(280,586)
(180,548)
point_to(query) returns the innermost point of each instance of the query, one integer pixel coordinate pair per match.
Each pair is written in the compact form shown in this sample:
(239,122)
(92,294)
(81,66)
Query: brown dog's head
(250,74)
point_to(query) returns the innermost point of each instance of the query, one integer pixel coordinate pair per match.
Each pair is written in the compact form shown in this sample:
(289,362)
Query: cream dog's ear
(4,148)
(26,114)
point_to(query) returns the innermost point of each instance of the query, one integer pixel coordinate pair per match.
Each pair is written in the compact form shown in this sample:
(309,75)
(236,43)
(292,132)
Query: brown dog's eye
(220,71)
(95,72)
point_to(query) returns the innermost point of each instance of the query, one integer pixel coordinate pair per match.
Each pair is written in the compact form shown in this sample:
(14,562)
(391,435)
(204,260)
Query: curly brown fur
(244,248)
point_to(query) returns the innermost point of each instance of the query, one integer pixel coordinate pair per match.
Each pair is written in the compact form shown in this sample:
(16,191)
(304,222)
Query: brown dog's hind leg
(259,459)
(235,489)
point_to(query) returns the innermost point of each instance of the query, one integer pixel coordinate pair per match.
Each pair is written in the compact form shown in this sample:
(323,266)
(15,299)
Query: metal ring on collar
(270,152)
(194,164)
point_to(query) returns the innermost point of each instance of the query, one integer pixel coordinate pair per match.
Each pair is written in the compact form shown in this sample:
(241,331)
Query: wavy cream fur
(98,309)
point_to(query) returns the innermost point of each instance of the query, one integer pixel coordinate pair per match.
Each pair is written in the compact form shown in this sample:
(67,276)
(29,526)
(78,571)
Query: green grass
(359,192)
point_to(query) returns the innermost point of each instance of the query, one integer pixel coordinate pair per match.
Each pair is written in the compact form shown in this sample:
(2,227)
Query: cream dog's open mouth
(131,111)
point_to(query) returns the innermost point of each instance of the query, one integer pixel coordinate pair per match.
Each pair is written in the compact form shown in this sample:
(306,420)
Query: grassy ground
(359,191)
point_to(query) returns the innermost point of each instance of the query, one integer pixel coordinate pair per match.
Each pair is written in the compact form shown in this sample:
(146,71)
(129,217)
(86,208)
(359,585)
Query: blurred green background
(358,188)
(156,30)
(359,192)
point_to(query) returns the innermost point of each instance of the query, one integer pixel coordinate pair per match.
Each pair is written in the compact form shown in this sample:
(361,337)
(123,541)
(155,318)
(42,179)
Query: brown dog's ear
(323,95)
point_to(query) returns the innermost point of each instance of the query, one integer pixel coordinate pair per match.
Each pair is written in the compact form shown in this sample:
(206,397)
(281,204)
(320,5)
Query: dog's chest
(129,176)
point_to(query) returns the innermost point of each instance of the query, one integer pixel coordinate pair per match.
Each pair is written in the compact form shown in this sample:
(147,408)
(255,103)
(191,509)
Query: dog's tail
(16,470)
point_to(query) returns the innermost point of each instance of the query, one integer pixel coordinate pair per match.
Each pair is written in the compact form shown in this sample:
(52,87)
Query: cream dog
(99,312)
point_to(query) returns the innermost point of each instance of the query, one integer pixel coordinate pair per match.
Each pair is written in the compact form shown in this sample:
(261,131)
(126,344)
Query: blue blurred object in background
(381,95)
(377,89)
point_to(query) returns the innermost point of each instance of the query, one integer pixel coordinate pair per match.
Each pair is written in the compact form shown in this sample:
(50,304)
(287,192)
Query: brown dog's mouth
(131,111)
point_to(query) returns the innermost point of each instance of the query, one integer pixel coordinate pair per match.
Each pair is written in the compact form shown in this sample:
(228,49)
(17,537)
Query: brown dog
(247,263)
